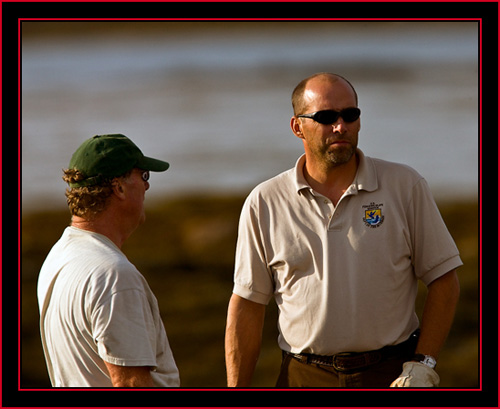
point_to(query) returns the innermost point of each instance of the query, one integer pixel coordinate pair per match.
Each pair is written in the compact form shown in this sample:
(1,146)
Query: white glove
(416,375)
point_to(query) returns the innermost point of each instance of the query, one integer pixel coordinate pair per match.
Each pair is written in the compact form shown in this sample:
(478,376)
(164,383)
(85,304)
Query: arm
(439,311)
(129,376)
(245,320)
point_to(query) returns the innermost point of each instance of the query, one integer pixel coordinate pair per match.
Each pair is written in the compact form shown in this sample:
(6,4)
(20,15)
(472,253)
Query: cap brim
(153,165)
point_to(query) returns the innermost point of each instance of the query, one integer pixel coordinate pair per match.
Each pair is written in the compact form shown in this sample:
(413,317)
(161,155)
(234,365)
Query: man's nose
(339,126)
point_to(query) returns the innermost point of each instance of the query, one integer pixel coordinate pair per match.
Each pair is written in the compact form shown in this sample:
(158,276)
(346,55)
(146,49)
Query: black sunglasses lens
(350,114)
(326,117)
(329,117)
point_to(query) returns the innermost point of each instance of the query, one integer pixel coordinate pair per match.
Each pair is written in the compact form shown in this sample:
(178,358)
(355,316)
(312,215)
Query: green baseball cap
(107,156)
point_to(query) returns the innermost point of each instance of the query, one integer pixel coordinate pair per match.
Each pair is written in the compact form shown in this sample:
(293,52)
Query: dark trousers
(295,374)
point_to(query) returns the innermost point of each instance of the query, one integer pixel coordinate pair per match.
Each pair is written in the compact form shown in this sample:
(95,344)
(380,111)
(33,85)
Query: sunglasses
(328,117)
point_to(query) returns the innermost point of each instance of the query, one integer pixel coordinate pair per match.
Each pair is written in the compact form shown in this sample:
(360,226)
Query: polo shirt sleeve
(434,252)
(252,278)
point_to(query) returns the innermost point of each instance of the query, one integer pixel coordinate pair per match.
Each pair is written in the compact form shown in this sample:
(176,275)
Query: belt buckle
(357,360)
(337,364)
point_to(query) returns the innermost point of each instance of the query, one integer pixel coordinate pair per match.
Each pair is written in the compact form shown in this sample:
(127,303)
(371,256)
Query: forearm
(438,315)
(241,359)
(129,376)
(243,340)
(439,311)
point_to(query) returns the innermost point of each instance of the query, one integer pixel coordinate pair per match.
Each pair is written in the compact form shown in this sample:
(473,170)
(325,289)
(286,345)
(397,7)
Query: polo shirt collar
(366,176)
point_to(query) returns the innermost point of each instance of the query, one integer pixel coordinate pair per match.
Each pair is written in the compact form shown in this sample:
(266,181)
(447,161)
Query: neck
(331,181)
(102,224)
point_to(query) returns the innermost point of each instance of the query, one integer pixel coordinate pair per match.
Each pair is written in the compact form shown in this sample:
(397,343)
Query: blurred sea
(213,99)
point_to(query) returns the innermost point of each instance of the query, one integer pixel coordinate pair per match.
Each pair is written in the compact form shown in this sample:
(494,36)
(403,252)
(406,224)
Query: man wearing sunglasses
(100,323)
(341,241)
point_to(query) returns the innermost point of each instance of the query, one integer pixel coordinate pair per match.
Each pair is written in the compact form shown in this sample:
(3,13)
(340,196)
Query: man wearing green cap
(99,321)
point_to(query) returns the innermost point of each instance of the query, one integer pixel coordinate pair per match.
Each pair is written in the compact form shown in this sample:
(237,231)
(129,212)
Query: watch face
(426,360)
(429,361)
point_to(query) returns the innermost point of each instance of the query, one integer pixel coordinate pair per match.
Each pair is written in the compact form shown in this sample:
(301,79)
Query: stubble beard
(338,156)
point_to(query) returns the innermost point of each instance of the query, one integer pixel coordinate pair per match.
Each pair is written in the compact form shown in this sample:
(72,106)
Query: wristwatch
(425,359)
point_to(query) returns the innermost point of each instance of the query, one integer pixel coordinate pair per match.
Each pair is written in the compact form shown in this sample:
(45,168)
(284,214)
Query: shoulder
(105,265)
(400,181)
(393,172)
(388,166)
(274,189)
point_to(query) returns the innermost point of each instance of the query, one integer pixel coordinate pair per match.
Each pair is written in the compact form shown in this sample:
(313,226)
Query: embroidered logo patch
(373,214)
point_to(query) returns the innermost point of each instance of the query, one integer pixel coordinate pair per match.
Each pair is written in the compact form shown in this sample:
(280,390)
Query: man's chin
(341,154)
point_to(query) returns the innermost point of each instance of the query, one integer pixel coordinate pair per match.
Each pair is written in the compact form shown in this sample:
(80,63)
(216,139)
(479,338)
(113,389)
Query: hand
(416,375)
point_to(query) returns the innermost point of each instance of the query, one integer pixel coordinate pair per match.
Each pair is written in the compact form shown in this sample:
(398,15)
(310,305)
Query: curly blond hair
(87,201)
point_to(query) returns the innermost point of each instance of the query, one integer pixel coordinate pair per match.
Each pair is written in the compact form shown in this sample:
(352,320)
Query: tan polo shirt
(345,277)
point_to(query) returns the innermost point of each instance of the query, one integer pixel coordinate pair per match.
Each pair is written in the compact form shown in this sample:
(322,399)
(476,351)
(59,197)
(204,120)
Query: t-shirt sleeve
(124,329)
(434,251)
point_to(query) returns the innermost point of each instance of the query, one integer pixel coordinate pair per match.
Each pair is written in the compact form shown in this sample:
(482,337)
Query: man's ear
(296,126)
(118,188)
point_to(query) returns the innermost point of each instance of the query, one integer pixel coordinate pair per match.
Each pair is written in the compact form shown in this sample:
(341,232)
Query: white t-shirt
(94,306)
(344,277)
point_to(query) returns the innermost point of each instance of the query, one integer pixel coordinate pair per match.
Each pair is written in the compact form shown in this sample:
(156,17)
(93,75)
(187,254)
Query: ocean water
(213,99)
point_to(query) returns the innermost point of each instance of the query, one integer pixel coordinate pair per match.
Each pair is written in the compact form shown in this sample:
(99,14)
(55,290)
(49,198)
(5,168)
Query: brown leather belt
(349,361)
